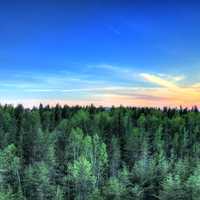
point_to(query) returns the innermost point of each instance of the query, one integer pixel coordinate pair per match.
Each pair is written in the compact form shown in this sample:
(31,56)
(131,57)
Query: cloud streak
(176,94)
(159,81)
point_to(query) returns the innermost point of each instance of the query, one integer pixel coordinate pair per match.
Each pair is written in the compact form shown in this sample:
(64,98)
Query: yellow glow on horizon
(168,93)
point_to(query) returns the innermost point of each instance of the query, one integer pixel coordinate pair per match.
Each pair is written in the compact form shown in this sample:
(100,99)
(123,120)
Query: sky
(131,53)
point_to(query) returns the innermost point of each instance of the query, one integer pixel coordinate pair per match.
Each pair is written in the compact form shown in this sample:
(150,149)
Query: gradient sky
(139,53)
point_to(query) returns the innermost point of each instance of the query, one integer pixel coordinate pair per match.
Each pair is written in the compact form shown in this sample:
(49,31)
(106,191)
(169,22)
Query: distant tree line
(90,153)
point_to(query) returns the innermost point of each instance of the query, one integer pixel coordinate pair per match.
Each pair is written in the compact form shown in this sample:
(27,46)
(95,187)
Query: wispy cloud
(173,78)
(117,72)
(114,68)
(159,81)
(117,85)
(176,94)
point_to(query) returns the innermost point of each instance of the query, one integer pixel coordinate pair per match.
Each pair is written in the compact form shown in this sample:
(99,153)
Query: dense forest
(87,153)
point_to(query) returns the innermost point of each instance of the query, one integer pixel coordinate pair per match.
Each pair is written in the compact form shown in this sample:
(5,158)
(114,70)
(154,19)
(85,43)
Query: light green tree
(100,159)
(9,168)
(193,184)
(81,174)
(75,144)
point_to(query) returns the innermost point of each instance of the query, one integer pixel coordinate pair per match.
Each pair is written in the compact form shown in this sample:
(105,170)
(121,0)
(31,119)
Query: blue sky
(103,52)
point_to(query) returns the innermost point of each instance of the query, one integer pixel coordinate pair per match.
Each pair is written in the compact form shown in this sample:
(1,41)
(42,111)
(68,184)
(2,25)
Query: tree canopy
(86,153)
